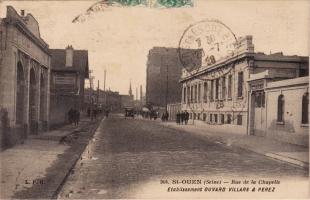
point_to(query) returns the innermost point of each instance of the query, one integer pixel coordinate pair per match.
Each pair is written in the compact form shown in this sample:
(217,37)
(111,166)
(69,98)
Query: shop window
(239,119)
(205,92)
(229,86)
(229,119)
(280,108)
(305,109)
(222,118)
(211,117)
(204,116)
(215,118)
(240,84)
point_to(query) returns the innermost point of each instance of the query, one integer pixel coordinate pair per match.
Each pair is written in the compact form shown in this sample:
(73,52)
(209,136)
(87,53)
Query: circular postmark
(204,43)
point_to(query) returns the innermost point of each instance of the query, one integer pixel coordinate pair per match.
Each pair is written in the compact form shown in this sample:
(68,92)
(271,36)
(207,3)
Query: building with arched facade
(228,95)
(24,75)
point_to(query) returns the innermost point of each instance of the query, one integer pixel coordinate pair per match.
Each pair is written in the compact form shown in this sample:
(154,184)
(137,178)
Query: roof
(289,82)
(80,61)
(278,57)
(269,74)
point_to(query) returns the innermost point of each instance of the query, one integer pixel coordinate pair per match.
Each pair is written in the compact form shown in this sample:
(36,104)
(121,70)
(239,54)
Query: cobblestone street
(128,158)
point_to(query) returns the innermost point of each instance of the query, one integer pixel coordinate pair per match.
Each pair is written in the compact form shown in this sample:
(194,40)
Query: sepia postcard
(154,99)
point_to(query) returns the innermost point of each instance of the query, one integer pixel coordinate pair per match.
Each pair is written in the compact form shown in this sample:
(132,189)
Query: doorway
(258,113)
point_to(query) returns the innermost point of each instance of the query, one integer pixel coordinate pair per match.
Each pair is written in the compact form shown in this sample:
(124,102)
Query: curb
(289,160)
(56,193)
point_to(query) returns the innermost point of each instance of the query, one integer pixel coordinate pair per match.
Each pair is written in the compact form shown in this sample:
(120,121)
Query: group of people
(74,116)
(182,117)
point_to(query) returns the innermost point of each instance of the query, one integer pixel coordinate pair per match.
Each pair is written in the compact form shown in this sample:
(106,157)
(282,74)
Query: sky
(118,39)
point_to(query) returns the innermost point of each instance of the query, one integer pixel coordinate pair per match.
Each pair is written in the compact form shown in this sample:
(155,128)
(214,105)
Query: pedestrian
(178,118)
(182,117)
(107,113)
(186,117)
(95,113)
(167,116)
(88,112)
(70,115)
(77,117)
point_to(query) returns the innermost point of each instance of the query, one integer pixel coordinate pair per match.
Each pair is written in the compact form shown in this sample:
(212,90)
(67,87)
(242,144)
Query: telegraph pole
(105,92)
(98,93)
(141,95)
(167,89)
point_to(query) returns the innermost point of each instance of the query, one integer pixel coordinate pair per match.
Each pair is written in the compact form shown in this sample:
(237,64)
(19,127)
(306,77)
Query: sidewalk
(38,168)
(294,154)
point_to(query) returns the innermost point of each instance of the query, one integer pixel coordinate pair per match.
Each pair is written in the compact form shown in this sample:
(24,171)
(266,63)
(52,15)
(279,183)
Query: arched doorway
(32,104)
(20,93)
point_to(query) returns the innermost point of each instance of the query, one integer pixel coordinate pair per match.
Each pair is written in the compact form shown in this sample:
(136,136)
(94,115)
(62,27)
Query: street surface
(132,158)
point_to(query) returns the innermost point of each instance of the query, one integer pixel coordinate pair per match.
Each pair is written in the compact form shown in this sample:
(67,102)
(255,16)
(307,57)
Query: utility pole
(141,95)
(90,86)
(105,72)
(98,93)
(105,93)
(167,88)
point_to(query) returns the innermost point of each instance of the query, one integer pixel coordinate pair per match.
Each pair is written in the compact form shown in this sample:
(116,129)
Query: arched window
(280,108)
(20,93)
(305,109)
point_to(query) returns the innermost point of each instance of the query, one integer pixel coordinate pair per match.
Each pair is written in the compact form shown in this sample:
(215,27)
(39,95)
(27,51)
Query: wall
(292,130)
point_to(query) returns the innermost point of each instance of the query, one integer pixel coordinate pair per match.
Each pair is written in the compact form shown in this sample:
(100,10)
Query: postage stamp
(104,5)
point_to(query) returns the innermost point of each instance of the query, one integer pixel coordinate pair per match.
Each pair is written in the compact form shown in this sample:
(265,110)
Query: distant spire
(130,90)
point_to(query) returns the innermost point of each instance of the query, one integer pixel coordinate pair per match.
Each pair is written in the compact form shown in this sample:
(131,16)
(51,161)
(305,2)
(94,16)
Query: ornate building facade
(24,74)
(219,94)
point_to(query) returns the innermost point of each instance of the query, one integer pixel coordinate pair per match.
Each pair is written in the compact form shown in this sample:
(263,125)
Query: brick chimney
(69,56)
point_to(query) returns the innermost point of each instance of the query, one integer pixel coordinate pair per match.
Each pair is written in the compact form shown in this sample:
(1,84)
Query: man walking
(186,117)
(182,117)
(178,118)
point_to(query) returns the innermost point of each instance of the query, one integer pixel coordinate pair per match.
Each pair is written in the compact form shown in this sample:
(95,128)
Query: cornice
(23,28)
